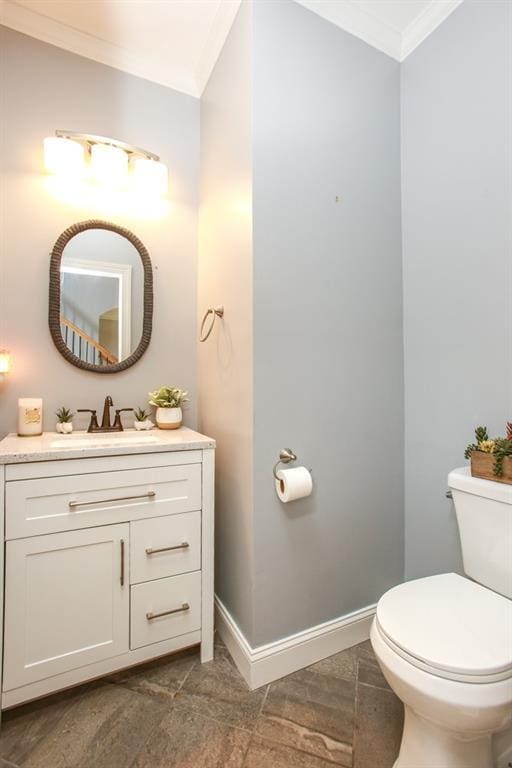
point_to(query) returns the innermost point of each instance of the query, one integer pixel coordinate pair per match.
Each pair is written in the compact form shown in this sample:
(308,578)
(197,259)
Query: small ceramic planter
(140,426)
(64,427)
(169,418)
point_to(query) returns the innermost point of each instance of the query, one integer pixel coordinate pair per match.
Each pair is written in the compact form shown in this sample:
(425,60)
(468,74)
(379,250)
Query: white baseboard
(261,665)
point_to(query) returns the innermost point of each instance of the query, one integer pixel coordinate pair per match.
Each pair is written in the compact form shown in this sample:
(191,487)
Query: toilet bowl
(444,645)
(444,642)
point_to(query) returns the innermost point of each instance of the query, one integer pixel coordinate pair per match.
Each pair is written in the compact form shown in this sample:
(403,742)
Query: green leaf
(168,397)
(64,415)
(481,434)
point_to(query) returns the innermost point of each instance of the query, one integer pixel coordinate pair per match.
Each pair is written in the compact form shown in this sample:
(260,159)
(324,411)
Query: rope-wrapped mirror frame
(54,296)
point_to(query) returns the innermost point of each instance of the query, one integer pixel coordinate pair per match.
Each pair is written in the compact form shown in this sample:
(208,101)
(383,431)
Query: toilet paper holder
(285,456)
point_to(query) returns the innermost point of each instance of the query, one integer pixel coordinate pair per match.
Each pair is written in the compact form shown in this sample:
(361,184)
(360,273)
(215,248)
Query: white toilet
(444,643)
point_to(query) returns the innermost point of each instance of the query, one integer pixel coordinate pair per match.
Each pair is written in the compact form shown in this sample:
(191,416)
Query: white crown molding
(347,15)
(266,663)
(48,30)
(425,23)
(386,38)
(352,18)
(219,31)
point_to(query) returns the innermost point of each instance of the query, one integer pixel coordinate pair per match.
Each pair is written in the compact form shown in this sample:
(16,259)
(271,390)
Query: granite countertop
(51,446)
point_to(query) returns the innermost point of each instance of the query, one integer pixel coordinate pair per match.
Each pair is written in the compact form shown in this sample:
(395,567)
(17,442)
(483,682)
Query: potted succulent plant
(142,420)
(64,421)
(491,459)
(168,402)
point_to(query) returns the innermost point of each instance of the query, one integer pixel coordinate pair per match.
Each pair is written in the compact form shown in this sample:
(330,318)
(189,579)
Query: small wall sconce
(5,362)
(111,162)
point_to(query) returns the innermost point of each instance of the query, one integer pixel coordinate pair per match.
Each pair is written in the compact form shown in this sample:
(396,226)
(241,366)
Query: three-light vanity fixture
(77,156)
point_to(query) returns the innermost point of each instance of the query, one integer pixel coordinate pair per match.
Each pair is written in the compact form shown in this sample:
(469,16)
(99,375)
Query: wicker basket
(482,465)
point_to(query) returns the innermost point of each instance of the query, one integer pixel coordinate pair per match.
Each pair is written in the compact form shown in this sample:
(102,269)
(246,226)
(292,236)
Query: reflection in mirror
(101,297)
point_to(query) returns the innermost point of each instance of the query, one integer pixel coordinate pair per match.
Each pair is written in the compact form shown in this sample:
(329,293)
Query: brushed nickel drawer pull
(122,563)
(148,495)
(156,550)
(150,616)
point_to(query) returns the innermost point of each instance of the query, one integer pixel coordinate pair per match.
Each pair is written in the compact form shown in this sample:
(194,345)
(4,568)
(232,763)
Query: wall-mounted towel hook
(285,456)
(215,312)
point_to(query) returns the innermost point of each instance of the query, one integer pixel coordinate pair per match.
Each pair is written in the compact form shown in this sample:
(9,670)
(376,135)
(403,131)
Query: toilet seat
(450,627)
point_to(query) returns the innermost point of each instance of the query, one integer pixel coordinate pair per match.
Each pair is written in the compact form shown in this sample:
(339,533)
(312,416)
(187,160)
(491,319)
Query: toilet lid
(450,624)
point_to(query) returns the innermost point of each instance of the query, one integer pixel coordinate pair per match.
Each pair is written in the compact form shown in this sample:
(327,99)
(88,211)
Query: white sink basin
(103,440)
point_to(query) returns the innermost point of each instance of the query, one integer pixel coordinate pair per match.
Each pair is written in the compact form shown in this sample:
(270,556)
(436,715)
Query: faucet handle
(93,426)
(117,421)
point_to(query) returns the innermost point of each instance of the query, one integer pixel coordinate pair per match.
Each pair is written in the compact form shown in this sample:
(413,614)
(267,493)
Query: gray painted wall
(328,319)
(225,277)
(457,251)
(43,88)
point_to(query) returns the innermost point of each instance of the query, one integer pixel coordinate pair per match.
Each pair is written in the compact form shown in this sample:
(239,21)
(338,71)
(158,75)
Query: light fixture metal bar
(91,138)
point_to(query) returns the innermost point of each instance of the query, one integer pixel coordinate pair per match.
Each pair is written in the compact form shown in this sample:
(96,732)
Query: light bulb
(149,176)
(63,157)
(5,361)
(109,165)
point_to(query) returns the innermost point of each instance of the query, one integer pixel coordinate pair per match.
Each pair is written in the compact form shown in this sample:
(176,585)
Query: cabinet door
(66,602)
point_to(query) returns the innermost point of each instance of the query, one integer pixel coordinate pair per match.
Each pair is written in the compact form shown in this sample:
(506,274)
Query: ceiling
(396,27)
(172,42)
(177,42)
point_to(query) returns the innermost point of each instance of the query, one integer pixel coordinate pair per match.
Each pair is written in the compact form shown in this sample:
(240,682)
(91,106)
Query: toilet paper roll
(294,483)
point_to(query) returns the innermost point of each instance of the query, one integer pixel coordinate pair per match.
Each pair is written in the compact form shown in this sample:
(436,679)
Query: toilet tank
(484,516)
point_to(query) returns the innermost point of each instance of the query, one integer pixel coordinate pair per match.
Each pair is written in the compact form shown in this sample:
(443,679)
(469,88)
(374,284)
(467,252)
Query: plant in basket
(491,459)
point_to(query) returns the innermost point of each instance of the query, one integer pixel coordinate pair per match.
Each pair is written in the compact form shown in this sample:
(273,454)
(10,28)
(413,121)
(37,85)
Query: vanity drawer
(49,505)
(165,546)
(165,608)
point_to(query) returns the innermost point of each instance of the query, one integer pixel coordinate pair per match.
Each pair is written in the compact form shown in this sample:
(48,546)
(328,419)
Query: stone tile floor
(179,713)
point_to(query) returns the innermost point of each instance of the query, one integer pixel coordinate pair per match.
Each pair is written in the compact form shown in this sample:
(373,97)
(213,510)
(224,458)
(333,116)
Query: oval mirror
(101,296)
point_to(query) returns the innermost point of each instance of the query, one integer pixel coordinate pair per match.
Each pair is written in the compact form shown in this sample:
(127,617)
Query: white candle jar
(30,416)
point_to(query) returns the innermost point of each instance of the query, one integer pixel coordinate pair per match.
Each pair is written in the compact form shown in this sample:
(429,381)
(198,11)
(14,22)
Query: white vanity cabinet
(108,559)
(65,603)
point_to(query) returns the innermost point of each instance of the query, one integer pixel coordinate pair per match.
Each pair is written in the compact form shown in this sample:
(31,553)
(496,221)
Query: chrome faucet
(106,426)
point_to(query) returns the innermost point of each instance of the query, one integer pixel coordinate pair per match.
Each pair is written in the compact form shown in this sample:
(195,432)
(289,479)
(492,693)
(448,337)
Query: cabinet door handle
(122,563)
(150,616)
(156,550)
(147,495)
